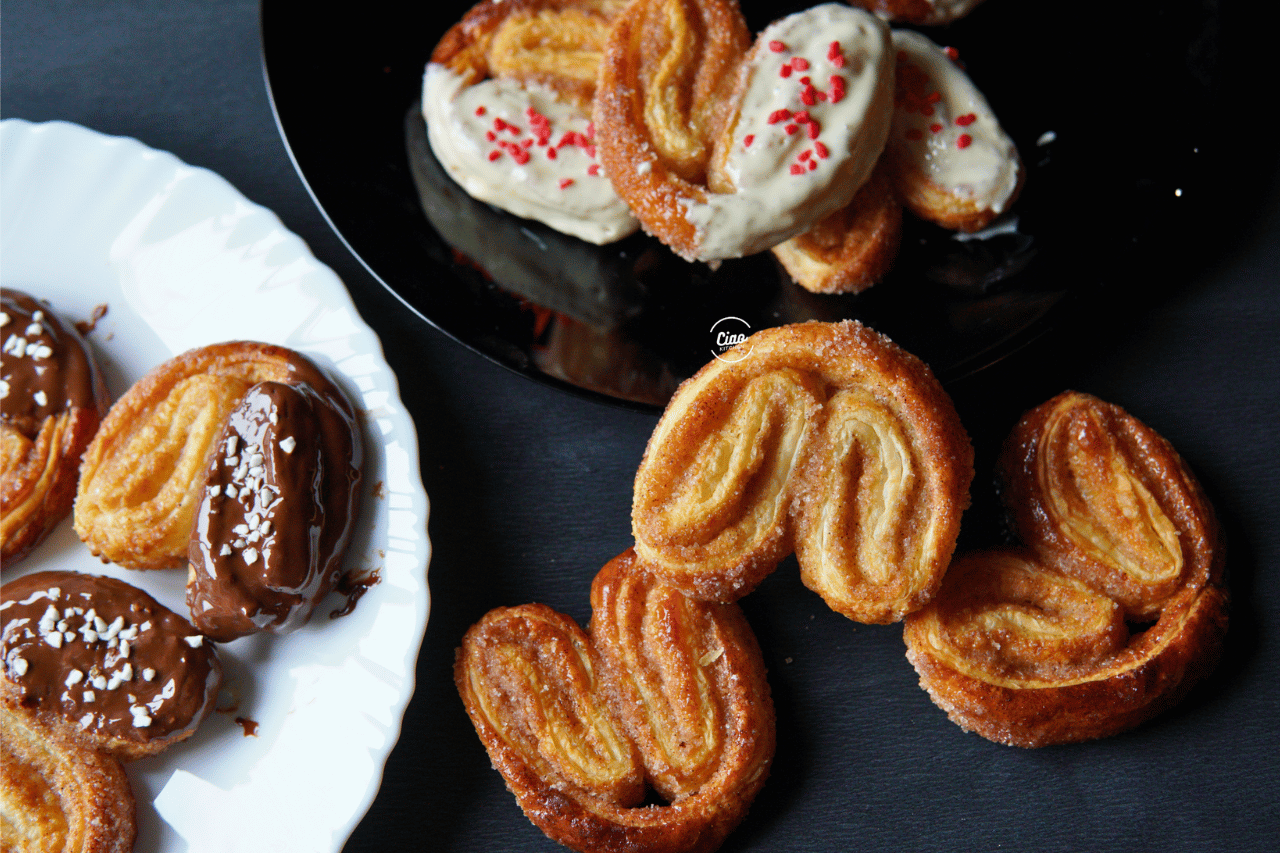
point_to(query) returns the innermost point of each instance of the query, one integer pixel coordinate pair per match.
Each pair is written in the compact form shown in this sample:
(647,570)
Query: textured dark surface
(530,485)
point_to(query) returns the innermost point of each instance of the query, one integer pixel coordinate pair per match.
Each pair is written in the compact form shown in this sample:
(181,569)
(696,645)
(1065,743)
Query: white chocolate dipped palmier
(506,99)
(953,164)
(805,116)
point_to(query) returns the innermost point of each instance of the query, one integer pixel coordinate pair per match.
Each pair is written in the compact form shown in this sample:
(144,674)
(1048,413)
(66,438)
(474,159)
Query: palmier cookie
(105,661)
(822,438)
(51,401)
(724,150)
(279,502)
(1111,611)
(663,690)
(507,102)
(951,161)
(57,794)
(851,249)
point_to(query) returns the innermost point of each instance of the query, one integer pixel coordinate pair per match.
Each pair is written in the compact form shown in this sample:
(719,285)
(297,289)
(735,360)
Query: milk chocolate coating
(277,512)
(107,658)
(47,367)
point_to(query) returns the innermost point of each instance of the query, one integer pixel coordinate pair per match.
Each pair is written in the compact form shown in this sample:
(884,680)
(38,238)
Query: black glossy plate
(1104,114)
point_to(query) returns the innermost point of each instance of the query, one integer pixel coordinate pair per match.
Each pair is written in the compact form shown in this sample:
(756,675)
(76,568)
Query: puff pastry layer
(53,401)
(1110,613)
(663,691)
(822,438)
(57,795)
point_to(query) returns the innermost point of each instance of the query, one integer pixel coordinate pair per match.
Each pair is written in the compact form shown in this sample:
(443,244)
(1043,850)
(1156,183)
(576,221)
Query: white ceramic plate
(181,259)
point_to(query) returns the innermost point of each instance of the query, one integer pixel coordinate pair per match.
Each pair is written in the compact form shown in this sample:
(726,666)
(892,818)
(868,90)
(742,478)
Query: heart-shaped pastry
(664,692)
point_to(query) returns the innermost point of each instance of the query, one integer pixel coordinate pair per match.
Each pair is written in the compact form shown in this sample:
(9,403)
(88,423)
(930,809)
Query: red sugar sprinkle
(490,135)
(809,96)
(914,134)
(802,117)
(806,80)
(951,53)
(514,130)
(797,169)
(806,154)
(791,128)
(494,155)
(814,129)
(499,124)
(833,50)
(567,139)
(591,130)
(813,164)
(526,143)
(566,182)
(551,153)
(750,138)
(777,46)
(964,141)
(521,156)
(799,63)
(779,115)
(821,150)
(590,149)
(837,61)
(837,88)
(785,71)
(480,110)
(966,119)
(935,127)
(593,169)
(819,94)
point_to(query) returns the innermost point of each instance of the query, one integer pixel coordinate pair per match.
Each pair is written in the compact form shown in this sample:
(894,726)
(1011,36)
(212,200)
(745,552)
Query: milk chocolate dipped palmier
(663,691)
(56,794)
(507,102)
(276,514)
(822,438)
(242,458)
(723,148)
(105,661)
(51,401)
(1110,612)
(927,12)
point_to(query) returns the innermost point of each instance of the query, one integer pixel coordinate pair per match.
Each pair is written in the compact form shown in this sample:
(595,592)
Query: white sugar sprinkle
(41,398)
(19,666)
(287,444)
(148,674)
(251,555)
(74,677)
(195,641)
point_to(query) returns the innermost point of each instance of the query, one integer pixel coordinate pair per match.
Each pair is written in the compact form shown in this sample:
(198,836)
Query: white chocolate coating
(477,132)
(789,172)
(952,137)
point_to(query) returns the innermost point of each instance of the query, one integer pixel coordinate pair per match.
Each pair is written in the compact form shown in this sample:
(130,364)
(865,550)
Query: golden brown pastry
(1090,630)
(143,479)
(723,148)
(51,403)
(951,161)
(664,690)
(57,795)
(825,438)
(104,661)
(1099,494)
(851,249)
(507,103)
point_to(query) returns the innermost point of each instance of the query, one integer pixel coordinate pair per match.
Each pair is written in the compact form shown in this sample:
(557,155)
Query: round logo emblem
(726,335)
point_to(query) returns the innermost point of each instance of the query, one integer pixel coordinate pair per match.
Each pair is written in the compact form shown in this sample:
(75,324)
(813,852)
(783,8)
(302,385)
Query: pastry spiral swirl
(822,438)
(53,401)
(56,794)
(1051,642)
(664,690)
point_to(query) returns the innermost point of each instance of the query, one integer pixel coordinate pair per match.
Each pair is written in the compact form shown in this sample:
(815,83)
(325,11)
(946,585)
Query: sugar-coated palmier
(105,661)
(822,438)
(58,795)
(1110,612)
(663,690)
(507,101)
(723,148)
(52,399)
(851,249)
(1102,496)
(925,12)
(952,162)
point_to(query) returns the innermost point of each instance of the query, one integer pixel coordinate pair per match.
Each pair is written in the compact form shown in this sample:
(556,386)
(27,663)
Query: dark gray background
(530,491)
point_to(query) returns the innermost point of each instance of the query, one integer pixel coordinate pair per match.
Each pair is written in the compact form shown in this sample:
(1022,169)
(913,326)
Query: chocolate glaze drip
(47,368)
(279,504)
(105,656)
